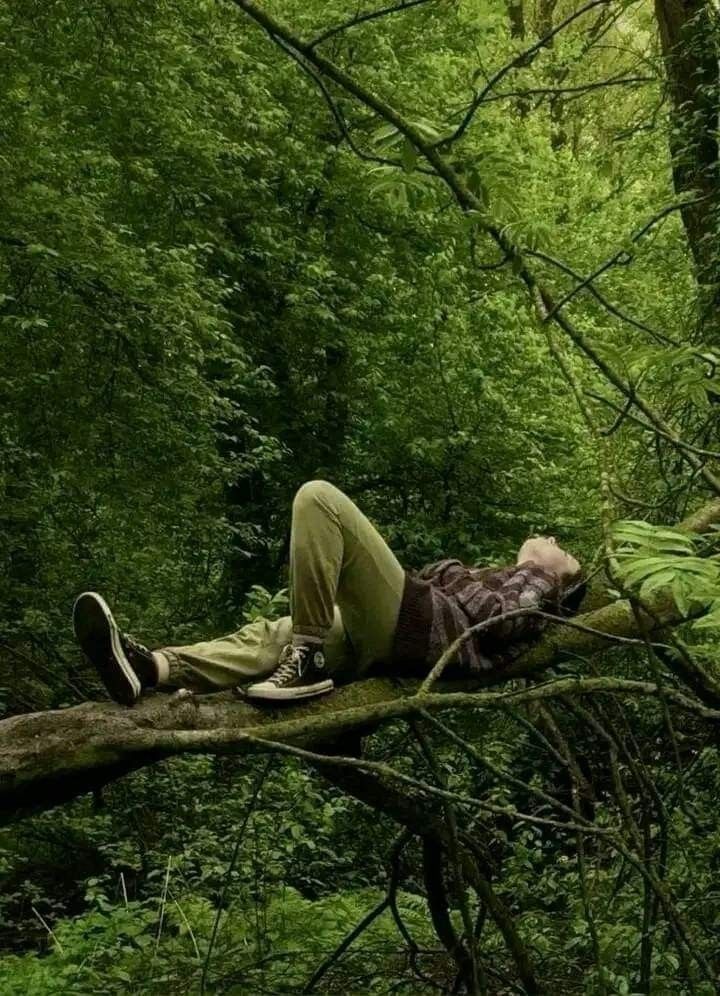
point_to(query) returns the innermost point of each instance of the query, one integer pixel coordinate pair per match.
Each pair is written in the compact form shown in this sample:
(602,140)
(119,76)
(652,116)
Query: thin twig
(240,840)
(584,284)
(503,776)
(334,109)
(467,959)
(622,257)
(163,901)
(48,928)
(395,851)
(387,771)
(450,653)
(579,90)
(625,413)
(522,58)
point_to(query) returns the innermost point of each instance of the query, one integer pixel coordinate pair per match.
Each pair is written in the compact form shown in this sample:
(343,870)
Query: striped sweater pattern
(444,599)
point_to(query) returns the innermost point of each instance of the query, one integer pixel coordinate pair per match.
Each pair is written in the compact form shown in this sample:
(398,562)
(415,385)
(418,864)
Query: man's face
(545,551)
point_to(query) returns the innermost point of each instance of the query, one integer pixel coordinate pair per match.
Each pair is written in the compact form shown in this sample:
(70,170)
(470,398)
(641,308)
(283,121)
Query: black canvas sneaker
(124,666)
(300,674)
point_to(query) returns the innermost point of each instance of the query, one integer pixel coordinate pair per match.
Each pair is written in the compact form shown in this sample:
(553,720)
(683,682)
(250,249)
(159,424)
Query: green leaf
(680,596)
(426,128)
(37,249)
(710,621)
(386,137)
(657,581)
(643,567)
(409,156)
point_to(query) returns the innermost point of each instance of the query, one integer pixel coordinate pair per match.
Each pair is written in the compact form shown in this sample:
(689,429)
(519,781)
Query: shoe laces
(292,663)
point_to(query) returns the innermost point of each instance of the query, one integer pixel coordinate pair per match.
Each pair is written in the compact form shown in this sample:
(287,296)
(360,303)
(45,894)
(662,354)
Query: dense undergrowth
(207,298)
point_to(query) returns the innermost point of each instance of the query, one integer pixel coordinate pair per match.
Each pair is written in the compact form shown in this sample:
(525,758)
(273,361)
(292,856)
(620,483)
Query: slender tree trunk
(556,73)
(689,43)
(516,16)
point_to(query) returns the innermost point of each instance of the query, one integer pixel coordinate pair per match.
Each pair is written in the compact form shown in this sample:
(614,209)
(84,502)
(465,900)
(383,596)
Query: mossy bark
(47,758)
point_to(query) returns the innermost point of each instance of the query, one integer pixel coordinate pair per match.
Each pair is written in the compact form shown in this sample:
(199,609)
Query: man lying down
(353,611)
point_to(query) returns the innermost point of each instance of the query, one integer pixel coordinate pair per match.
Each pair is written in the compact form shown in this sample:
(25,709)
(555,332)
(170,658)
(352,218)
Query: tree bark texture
(47,758)
(688,39)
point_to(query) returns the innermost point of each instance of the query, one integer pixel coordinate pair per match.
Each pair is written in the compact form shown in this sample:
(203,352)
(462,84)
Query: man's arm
(525,586)
(441,572)
(528,587)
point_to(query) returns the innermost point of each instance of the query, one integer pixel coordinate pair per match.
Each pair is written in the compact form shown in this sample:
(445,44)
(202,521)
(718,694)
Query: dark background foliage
(206,298)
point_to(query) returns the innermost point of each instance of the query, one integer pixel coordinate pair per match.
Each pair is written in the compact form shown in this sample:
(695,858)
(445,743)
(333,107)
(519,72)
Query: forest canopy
(460,258)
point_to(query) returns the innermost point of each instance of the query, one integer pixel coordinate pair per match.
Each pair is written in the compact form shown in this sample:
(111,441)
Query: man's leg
(336,557)
(127,668)
(250,654)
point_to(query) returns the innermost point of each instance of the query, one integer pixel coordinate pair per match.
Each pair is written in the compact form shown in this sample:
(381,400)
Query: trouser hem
(315,634)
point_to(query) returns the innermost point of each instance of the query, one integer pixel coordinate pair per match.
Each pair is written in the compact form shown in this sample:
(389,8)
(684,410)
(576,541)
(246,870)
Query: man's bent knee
(313,491)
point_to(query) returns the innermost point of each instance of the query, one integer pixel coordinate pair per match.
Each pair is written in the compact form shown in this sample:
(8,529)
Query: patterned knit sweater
(444,599)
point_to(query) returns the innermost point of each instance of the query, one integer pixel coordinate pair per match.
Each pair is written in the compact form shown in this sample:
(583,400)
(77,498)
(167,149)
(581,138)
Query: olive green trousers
(346,586)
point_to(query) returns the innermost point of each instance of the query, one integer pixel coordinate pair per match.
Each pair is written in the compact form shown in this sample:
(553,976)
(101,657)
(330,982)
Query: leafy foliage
(651,558)
(207,297)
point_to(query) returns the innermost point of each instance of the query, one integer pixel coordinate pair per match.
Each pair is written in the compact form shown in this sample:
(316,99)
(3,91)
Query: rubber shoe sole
(98,635)
(269,692)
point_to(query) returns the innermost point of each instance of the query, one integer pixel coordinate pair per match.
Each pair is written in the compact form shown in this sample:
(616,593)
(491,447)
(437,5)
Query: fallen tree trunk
(47,758)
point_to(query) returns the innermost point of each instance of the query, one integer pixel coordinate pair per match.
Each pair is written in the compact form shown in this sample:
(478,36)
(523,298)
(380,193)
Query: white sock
(163,667)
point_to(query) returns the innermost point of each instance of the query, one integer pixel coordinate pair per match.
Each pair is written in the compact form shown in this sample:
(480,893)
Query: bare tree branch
(544,303)
(621,258)
(587,284)
(521,59)
(49,757)
(624,412)
(426,821)
(579,90)
(334,109)
(385,903)
(466,957)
